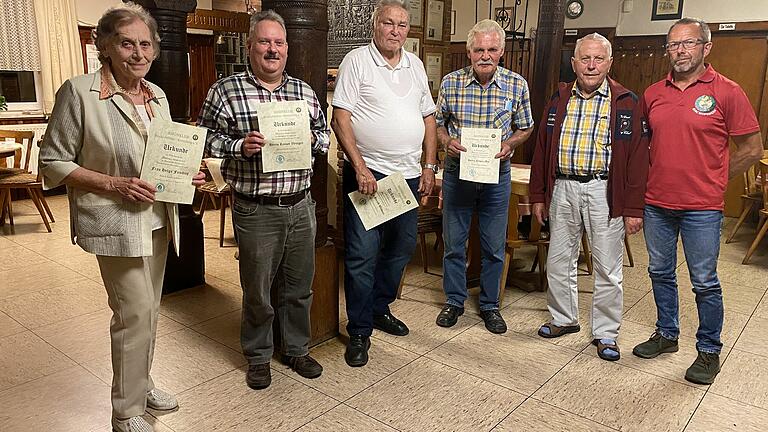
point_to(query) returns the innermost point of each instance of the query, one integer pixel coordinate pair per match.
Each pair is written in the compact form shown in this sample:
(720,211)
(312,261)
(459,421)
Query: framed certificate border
(666,10)
(433,64)
(416,9)
(434,30)
(413,45)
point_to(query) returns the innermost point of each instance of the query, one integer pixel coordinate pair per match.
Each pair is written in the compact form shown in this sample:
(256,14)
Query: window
(21,90)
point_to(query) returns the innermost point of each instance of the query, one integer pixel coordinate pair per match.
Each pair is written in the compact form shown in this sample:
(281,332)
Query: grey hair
(266,15)
(383,4)
(595,37)
(116,17)
(485,26)
(706,33)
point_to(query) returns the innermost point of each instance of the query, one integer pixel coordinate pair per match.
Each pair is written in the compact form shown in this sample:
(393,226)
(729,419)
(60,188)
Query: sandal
(557,331)
(604,348)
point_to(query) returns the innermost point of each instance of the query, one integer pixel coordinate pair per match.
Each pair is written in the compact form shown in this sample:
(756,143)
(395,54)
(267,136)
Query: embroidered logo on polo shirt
(704,105)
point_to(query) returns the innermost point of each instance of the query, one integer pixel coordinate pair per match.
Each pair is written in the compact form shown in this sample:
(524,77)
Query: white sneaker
(133,424)
(161,401)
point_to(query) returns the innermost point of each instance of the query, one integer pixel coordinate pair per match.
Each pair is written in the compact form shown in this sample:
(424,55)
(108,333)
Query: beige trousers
(134,286)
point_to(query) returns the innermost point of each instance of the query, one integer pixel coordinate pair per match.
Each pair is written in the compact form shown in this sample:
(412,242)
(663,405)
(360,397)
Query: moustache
(486,63)
(271,57)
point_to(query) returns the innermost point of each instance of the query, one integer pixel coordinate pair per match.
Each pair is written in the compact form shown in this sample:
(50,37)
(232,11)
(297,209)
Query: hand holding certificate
(393,198)
(172,158)
(479,163)
(285,125)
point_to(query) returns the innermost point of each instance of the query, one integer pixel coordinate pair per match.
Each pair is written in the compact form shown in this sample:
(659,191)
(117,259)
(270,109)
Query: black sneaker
(305,366)
(449,315)
(493,321)
(654,346)
(356,354)
(259,376)
(704,369)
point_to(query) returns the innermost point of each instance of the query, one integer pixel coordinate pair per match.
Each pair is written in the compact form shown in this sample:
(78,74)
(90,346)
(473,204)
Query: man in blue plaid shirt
(274,214)
(483,95)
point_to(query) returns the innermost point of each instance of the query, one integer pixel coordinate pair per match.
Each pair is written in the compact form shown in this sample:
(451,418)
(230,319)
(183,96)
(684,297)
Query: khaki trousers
(578,207)
(134,286)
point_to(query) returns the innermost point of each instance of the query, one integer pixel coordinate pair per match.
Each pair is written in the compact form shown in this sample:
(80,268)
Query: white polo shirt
(388,106)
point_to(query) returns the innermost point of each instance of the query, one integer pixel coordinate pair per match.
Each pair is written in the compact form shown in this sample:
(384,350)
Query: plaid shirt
(504,104)
(585,137)
(229,115)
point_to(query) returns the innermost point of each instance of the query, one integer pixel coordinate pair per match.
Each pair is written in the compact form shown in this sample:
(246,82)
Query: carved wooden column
(171,69)
(549,40)
(307,24)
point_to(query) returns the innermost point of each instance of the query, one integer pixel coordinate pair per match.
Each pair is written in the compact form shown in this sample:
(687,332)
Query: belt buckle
(280,201)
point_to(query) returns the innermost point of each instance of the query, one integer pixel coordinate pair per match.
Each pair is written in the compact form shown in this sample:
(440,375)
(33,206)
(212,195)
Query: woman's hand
(198,179)
(132,188)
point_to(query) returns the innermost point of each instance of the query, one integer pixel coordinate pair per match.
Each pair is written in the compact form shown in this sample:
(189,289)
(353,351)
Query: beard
(690,65)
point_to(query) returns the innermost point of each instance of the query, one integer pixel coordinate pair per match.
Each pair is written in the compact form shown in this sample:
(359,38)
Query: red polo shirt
(689,140)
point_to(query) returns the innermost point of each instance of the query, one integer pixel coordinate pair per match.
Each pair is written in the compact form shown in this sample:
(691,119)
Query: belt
(288,200)
(583,178)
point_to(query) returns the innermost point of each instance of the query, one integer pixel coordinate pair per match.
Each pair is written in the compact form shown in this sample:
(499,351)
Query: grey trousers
(277,249)
(134,287)
(577,207)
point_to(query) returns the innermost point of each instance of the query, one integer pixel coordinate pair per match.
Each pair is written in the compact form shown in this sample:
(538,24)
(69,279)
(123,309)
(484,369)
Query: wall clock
(574,9)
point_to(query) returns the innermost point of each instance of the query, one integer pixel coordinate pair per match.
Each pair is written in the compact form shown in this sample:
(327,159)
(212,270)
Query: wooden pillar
(549,40)
(307,24)
(170,70)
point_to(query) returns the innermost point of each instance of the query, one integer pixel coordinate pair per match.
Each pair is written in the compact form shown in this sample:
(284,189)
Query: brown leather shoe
(259,376)
(305,366)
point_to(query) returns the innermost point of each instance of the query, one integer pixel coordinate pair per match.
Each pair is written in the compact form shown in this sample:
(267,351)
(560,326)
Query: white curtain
(61,56)
(18,36)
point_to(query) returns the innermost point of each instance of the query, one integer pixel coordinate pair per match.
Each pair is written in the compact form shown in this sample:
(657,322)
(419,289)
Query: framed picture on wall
(433,65)
(667,10)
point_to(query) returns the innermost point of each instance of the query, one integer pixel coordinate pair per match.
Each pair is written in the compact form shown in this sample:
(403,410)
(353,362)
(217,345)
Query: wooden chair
(751,199)
(514,242)
(219,200)
(21,177)
(762,225)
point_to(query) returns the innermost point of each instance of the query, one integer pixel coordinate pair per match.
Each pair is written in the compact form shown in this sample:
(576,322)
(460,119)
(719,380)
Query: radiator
(39,130)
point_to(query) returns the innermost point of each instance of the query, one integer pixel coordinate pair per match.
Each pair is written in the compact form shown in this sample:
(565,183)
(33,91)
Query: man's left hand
(632,225)
(426,183)
(505,153)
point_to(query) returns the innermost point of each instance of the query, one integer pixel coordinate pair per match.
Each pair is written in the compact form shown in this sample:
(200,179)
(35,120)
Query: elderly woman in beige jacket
(94,144)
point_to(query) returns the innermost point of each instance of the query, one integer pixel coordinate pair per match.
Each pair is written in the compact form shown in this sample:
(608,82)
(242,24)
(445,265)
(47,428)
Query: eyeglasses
(687,44)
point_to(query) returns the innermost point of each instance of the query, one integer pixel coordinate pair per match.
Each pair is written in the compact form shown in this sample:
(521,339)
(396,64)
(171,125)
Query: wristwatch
(433,167)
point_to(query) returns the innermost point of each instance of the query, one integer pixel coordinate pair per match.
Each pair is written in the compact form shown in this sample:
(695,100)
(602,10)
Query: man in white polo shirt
(383,117)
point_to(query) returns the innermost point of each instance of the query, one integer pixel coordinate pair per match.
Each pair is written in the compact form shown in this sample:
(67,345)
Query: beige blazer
(102,136)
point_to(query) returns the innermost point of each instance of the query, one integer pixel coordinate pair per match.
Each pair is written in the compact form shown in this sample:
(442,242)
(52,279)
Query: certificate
(172,158)
(393,197)
(285,126)
(478,163)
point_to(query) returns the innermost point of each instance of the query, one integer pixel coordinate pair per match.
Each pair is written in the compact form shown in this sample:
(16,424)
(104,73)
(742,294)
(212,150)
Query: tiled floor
(55,370)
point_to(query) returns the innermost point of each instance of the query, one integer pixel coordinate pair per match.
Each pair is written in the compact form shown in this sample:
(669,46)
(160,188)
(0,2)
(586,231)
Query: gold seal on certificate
(285,126)
(479,164)
(172,157)
(393,197)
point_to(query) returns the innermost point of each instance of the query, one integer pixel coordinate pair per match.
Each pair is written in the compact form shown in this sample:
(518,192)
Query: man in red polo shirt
(691,114)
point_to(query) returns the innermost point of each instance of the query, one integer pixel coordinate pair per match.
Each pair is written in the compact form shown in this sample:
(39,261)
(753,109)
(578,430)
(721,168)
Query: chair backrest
(19,137)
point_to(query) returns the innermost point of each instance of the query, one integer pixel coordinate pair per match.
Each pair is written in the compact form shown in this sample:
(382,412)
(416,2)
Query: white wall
(638,22)
(608,13)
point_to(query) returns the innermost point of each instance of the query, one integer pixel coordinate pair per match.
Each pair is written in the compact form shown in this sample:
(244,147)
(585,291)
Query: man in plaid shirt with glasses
(588,173)
(274,214)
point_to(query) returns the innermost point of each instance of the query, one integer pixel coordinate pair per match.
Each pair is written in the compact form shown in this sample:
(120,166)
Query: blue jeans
(700,231)
(374,260)
(460,199)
